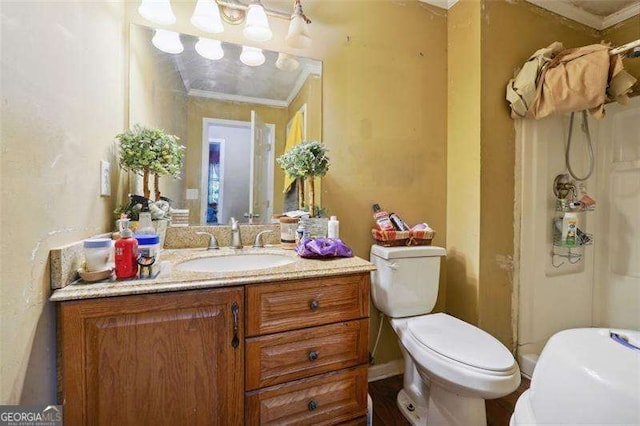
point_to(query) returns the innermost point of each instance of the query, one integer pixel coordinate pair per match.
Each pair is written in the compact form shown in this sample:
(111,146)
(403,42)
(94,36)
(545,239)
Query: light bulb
(287,62)
(209,48)
(157,11)
(256,27)
(252,56)
(167,41)
(206,17)
(298,36)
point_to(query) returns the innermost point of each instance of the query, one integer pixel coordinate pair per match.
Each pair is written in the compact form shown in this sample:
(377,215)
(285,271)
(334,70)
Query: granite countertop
(185,280)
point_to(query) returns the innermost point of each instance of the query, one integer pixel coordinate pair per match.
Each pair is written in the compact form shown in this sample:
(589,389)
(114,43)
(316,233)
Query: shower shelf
(571,256)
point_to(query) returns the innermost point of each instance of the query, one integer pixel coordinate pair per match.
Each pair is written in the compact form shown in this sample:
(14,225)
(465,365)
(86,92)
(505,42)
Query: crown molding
(442,4)
(236,98)
(589,19)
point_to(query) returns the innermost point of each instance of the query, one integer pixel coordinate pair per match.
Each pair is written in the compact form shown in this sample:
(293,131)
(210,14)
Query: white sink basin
(235,263)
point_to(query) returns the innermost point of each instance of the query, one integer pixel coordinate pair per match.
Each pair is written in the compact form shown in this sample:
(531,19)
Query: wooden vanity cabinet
(307,351)
(161,359)
(284,353)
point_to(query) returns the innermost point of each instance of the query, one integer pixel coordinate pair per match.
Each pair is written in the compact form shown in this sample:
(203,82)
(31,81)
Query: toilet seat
(443,364)
(461,342)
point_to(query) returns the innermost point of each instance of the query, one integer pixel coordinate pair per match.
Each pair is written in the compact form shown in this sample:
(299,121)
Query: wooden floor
(386,412)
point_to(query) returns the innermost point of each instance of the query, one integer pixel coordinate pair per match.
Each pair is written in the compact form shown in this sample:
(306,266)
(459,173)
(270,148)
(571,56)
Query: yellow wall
(157,99)
(463,160)
(63,101)
(199,108)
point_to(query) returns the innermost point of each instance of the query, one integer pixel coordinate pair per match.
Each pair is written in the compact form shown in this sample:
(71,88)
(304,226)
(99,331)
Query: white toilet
(451,367)
(585,376)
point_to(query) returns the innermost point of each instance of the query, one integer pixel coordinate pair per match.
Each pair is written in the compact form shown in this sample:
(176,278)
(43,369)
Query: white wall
(62,102)
(603,289)
(617,279)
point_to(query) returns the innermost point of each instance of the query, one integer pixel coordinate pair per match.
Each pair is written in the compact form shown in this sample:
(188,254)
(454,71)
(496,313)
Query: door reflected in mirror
(233,118)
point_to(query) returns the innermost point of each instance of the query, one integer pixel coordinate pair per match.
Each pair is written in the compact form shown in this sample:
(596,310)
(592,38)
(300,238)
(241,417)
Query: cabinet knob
(313,355)
(313,404)
(314,305)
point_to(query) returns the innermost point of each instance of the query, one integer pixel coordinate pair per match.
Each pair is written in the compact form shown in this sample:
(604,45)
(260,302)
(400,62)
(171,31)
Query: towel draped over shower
(556,80)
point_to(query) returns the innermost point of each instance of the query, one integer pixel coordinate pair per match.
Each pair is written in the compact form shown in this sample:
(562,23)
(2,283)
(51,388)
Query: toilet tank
(405,282)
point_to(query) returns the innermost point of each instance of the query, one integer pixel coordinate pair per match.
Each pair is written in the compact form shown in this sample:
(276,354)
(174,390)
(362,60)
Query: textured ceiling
(602,8)
(229,76)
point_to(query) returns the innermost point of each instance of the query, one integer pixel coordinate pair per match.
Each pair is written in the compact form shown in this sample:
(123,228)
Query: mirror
(232,118)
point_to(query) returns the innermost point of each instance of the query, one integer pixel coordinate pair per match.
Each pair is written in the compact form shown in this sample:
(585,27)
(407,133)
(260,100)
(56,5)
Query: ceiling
(597,14)
(231,80)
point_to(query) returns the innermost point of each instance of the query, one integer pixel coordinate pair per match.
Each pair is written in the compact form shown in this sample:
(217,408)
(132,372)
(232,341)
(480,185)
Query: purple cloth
(322,248)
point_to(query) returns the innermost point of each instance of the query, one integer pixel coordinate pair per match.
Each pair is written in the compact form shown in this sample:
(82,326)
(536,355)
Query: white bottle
(333,228)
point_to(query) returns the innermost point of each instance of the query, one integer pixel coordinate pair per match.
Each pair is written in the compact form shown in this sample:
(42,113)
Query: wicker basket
(403,238)
(391,238)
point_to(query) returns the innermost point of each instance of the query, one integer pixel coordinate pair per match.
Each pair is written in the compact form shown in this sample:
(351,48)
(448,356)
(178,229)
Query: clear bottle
(333,228)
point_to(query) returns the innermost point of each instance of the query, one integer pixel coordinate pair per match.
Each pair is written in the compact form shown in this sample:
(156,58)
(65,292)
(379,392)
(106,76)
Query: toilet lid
(462,342)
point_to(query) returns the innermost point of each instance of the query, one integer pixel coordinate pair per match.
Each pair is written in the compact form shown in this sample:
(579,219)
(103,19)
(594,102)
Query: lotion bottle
(126,252)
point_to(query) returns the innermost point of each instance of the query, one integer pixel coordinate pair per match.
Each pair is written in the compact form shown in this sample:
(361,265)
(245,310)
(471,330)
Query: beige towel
(577,79)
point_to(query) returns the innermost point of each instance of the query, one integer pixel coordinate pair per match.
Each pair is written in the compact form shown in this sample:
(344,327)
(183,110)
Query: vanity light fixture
(157,11)
(209,48)
(206,17)
(256,27)
(167,41)
(254,14)
(298,36)
(286,62)
(252,56)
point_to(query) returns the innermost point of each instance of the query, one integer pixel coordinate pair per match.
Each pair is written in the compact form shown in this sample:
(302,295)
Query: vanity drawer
(291,305)
(279,358)
(322,400)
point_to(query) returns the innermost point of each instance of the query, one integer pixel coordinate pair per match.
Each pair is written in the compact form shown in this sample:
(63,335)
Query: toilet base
(414,414)
(444,409)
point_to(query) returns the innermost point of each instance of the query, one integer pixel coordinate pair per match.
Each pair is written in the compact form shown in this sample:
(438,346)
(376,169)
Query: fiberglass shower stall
(599,286)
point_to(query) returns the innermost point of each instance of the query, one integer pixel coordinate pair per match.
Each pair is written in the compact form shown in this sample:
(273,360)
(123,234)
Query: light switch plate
(105,179)
(192,194)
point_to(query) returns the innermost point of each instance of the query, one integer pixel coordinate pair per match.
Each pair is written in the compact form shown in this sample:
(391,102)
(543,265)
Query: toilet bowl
(588,376)
(451,367)
(458,366)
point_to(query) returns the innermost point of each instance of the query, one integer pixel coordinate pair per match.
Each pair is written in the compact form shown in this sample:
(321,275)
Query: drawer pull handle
(314,305)
(235,342)
(313,404)
(313,355)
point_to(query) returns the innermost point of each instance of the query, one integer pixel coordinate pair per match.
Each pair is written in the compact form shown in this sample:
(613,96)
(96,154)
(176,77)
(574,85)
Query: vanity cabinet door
(161,359)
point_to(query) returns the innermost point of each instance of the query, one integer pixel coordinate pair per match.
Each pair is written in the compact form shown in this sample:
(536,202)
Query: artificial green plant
(307,160)
(145,151)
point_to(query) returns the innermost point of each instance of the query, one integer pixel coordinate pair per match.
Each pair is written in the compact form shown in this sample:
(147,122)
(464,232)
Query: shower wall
(603,287)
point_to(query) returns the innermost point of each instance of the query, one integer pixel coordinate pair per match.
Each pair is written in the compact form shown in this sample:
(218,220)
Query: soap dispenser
(126,252)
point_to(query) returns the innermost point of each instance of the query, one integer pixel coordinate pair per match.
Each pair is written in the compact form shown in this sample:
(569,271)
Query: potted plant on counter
(307,160)
(145,151)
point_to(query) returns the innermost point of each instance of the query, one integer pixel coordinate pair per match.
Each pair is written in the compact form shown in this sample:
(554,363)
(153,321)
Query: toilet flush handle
(393,266)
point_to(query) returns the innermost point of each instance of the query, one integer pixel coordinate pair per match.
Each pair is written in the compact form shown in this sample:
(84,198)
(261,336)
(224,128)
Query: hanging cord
(585,129)
(375,345)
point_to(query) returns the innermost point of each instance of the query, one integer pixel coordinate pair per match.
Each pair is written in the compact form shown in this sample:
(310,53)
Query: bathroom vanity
(286,345)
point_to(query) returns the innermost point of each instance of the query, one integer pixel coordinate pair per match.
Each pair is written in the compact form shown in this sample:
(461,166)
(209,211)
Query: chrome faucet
(236,238)
(258,243)
(213,243)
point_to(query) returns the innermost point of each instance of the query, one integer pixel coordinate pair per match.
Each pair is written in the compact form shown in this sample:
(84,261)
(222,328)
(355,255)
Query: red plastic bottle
(126,249)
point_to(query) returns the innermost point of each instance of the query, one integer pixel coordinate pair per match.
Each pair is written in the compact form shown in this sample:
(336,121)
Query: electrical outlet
(105,179)
(192,194)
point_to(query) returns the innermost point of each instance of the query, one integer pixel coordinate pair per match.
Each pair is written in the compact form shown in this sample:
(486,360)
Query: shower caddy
(565,192)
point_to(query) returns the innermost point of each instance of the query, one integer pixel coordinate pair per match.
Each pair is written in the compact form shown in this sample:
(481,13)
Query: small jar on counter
(149,248)
(288,226)
(97,254)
